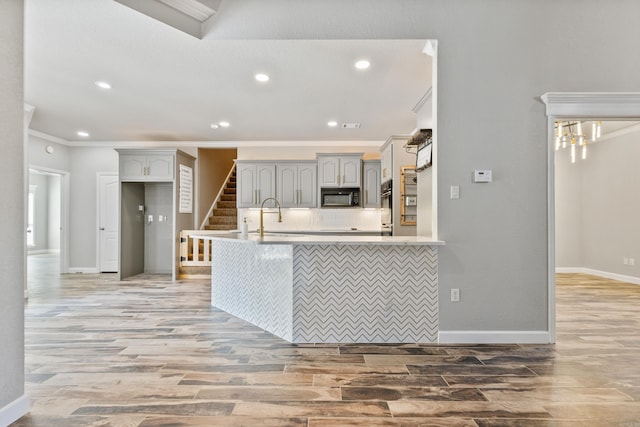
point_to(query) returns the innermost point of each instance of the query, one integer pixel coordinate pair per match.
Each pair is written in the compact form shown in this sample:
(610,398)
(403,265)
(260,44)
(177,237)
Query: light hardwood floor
(154,353)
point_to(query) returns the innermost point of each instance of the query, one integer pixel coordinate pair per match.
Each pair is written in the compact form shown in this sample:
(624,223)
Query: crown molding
(592,104)
(49,138)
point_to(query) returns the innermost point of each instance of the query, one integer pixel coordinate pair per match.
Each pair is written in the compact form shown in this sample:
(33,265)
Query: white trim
(599,273)
(551,232)
(48,137)
(65,189)
(14,410)
(592,104)
(83,270)
(494,337)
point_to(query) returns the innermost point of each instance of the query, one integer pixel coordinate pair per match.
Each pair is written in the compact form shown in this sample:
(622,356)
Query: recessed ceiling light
(214,126)
(83,133)
(363,64)
(224,124)
(261,77)
(103,85)
(332,123)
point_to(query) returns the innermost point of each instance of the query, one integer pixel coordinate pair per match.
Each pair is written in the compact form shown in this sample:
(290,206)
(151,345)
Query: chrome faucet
(262,212)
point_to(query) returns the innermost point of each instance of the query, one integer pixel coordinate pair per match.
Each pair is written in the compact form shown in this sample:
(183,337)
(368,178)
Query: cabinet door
(265,182)
(287,193)
(246,185)
(307,185)
(132,167)
(350,170)
(329,171)
(159,167)
(387,164)
(371,184)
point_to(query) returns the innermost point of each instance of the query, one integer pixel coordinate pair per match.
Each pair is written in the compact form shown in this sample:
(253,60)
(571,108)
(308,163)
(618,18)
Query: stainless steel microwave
(340,197)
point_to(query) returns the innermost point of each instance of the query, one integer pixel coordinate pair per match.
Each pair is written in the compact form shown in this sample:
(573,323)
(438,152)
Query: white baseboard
(605,274)
(14,410)
(83,270)
(494,337)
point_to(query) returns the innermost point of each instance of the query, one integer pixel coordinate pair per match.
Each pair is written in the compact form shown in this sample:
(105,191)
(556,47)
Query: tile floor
(148,352)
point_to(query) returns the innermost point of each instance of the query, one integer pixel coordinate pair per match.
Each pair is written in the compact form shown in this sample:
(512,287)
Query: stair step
(225,212)
(228,197)
(229,220)
(229,191)
(226,204)
(221,227)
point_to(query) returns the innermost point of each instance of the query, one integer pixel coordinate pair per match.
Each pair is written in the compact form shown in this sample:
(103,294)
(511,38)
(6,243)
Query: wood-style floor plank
(148,352)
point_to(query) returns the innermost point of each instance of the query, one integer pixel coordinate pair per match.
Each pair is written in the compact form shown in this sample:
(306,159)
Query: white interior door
(109,201)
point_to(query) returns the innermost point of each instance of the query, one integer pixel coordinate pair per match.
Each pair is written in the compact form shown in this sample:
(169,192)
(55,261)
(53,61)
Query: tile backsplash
(313,219)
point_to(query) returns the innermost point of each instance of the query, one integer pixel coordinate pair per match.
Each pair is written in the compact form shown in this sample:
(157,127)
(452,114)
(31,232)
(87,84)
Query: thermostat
(482,175)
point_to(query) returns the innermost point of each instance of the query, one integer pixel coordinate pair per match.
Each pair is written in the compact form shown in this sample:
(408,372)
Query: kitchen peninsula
(327,288)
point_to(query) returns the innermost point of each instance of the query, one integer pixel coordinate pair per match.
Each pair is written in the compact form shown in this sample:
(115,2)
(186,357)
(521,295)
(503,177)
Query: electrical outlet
(455,295)
(625,261)
(632,261)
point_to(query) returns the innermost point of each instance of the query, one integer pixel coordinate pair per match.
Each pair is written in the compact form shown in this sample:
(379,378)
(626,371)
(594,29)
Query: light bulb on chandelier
(571,131)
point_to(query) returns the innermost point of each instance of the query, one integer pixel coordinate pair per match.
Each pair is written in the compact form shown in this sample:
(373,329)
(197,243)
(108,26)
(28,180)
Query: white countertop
(315,239)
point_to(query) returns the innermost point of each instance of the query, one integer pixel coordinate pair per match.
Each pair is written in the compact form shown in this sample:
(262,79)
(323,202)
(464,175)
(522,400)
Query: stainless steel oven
(386,213)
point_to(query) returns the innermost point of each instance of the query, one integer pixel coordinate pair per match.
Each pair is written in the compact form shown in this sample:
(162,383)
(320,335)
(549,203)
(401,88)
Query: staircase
(224,215)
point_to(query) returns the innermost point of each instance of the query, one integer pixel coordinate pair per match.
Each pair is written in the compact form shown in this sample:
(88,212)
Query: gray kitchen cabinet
(371,183)
(141,166)
(340,170)
(297,184)
(256,182)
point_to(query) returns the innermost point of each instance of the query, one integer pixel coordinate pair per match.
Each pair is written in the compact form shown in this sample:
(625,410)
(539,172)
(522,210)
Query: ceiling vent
(351,126)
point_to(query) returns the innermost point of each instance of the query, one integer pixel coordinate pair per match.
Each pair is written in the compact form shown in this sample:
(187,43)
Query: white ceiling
(170,86)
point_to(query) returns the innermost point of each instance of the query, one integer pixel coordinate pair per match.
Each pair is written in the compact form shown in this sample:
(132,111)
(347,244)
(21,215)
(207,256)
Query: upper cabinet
(297,184)
(137,166)
(343,170)
(371,184)
(256,182)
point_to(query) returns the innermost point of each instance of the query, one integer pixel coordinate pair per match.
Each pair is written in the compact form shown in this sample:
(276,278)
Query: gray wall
(38,157)
(599,204)
(132,223)
(496,57)
(12,188)
(85,163)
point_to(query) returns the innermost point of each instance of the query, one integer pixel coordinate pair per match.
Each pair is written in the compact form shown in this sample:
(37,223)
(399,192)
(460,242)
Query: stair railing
(190,255)
(215,201)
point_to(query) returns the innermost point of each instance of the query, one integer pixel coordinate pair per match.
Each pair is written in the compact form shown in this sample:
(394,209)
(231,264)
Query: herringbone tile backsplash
(384,294)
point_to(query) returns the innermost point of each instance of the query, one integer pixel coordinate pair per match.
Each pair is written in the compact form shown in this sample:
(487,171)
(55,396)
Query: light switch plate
(455,191)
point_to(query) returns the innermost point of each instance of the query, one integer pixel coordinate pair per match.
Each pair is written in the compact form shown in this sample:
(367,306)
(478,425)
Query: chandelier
(571,133)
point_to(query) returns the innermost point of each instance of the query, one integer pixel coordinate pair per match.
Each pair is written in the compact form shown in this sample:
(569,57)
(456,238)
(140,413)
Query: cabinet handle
(366,197)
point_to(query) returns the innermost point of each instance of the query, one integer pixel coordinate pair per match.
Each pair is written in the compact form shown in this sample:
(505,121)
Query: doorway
(563,106)
(47,207)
